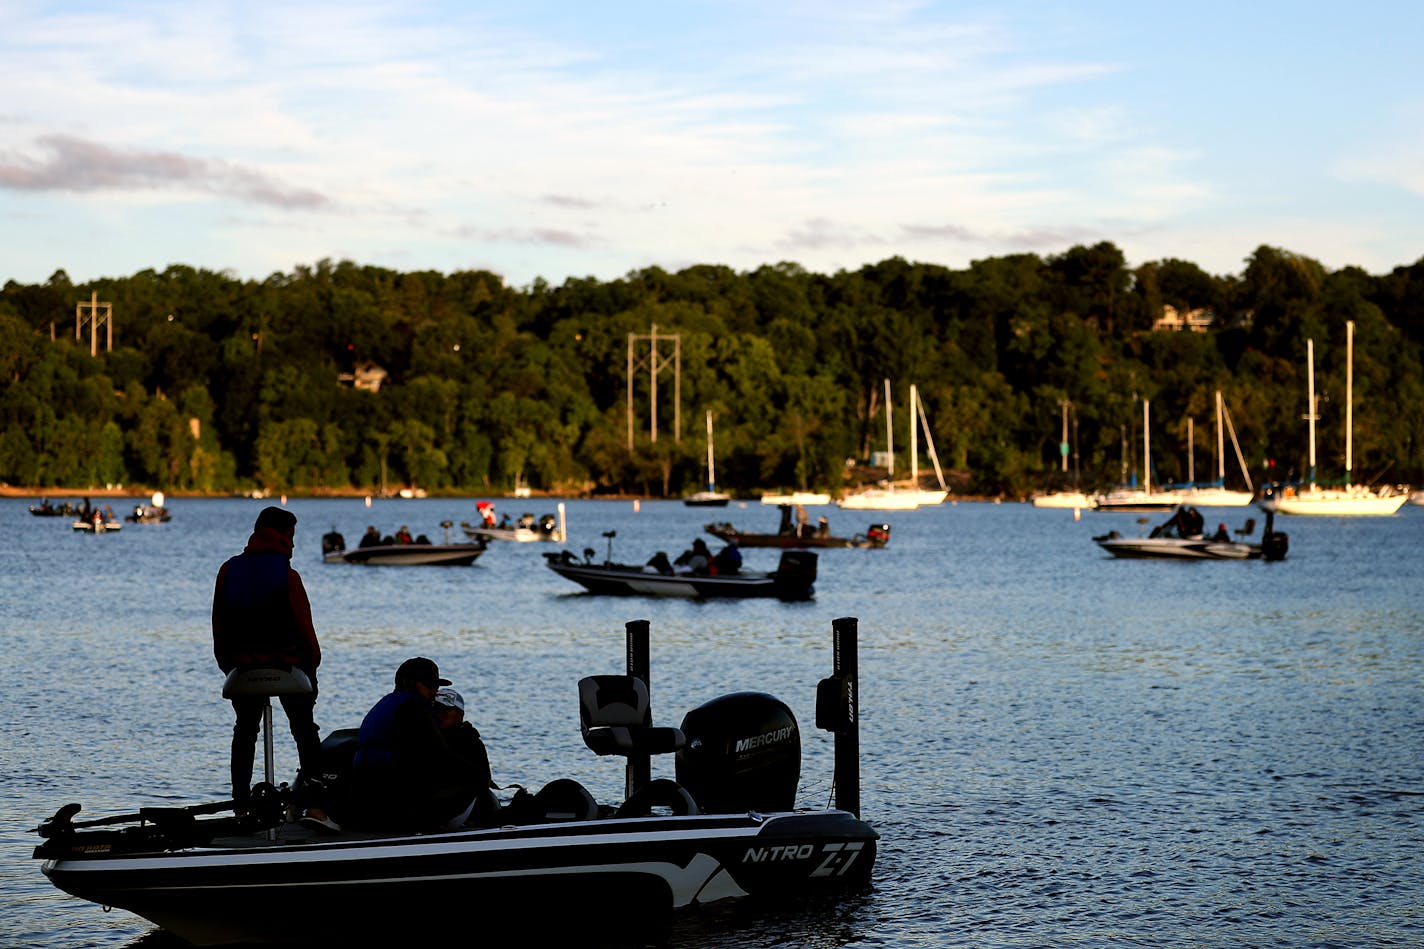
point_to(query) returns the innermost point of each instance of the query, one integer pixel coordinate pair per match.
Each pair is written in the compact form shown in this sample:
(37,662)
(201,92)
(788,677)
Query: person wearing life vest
(261,617)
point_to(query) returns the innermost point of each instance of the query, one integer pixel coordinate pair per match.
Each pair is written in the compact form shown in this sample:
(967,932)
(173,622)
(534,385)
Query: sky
(547,140)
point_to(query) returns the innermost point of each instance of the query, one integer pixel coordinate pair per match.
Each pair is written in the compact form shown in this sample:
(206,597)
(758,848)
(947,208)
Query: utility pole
(656,362)
(97,313)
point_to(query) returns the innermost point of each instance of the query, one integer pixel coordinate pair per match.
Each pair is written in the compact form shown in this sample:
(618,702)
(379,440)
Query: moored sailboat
(1217,494)
(711,497)
(1349,499)
(1133,500)
(886,496)
(1073,497)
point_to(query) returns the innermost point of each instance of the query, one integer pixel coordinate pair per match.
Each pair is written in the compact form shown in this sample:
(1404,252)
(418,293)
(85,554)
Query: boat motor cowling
(743,753)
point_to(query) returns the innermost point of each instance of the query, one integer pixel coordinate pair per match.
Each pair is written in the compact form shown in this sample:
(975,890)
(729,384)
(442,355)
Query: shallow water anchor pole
(640,766)
(837,710)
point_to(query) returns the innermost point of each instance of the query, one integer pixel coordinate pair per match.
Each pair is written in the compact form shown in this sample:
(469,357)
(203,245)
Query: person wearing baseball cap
(405,777)
(464,739)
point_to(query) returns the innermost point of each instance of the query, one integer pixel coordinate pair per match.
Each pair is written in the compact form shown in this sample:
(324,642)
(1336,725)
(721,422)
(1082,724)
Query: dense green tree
(215,383)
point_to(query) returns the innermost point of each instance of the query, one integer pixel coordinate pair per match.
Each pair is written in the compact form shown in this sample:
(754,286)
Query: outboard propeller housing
(743,753)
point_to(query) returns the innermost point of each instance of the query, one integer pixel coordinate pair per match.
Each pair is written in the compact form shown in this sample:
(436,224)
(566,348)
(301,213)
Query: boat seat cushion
(266,681)
(616,719)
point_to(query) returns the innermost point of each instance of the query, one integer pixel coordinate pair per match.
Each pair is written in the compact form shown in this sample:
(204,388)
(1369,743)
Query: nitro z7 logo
(835,859)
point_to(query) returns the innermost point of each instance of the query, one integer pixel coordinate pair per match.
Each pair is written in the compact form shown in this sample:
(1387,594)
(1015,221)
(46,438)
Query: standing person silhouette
(261,617)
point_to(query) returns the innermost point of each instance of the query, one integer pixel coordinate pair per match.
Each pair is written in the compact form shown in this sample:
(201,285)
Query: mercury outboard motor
(743,753)
(331,542)
(1274,543)
(796,575)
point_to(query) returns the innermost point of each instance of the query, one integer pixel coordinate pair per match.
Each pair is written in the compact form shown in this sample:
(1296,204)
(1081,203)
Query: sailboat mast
(1220,444)
(711,475)
(1146,451)
(914,439)
(929,441)
(889,434)
(1310,407)
(1191,454)
(1349,398)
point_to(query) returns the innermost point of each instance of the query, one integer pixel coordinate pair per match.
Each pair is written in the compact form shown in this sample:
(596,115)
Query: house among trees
(1195,321)
(368,377)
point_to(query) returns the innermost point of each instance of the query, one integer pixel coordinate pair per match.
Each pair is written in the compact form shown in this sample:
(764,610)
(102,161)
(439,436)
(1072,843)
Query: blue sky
(549,140)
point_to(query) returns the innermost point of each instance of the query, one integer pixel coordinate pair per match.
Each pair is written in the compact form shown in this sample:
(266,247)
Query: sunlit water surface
(1058,748)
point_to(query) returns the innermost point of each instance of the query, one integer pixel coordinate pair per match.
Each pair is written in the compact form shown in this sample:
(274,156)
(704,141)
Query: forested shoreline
(216,384)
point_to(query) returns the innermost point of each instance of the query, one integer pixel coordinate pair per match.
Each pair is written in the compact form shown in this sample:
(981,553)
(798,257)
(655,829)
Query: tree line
(221,384)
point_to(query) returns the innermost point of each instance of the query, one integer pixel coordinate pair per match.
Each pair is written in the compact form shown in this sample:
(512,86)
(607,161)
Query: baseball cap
(421,670)
(450,699)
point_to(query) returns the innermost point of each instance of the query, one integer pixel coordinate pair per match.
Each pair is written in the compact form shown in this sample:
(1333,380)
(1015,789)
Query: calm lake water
(1058,748)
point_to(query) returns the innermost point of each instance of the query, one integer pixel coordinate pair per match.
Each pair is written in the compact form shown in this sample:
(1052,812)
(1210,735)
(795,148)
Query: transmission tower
(96,313)
(655,362)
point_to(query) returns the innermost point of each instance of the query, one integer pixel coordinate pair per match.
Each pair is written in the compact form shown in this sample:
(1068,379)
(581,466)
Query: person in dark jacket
(261,617)
(405,777)
(464,739)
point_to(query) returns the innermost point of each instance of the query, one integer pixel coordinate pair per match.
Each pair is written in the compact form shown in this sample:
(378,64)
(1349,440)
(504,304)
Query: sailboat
(711,497)
(1074,498)
(1218,495)
(923,497)
(1132,499)
(887,498)
(1351,500)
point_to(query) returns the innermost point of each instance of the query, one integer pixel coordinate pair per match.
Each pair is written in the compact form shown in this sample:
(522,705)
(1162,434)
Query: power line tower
(97,313)
(655,362)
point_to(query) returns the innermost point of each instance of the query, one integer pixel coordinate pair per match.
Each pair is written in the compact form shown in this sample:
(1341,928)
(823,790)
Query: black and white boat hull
(409,555)
(794,579)
(876,537)
(297,887)
(1179,548)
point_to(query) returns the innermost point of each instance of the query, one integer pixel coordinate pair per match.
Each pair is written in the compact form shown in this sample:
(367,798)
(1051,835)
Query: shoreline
(60,495)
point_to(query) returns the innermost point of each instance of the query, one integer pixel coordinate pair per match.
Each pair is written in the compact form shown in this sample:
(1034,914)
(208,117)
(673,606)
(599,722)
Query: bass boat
(793,579)
(1181,538)
(524,530)
(420,553)
(875,536)
(727,827)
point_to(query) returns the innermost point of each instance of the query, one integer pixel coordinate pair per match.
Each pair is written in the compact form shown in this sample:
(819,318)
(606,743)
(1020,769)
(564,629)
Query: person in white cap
(405,776)
(464,739)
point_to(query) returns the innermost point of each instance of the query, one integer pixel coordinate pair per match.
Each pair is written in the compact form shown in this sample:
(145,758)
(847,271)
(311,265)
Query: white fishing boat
(527,529)
(1349,499)
(1182,538)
